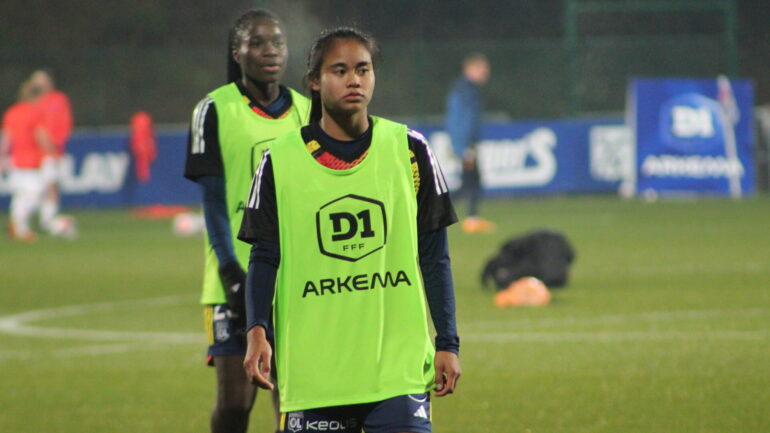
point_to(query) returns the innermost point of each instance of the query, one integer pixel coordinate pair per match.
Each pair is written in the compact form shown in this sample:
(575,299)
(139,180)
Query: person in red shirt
(142,144)
(24,145)
(57,115)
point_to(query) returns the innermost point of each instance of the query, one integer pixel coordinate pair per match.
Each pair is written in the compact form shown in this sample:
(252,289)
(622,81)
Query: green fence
(582,71)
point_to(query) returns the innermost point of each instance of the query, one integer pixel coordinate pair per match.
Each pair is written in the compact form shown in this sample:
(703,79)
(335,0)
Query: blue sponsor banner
(693,136)
(543,157)
(532,157)
(98,171)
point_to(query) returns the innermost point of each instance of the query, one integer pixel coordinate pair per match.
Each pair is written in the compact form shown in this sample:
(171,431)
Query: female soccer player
(230,128)
(348,219)
(24,145)
(58,121)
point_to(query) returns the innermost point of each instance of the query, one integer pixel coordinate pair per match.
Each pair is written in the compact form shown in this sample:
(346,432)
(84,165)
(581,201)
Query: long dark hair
(318,51)
(235,37)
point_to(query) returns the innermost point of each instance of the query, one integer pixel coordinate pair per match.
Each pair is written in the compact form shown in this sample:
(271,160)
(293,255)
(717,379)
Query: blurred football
(188,224)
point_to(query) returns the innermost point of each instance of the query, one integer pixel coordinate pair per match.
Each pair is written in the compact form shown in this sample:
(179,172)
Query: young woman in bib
(230,129)
(347,217)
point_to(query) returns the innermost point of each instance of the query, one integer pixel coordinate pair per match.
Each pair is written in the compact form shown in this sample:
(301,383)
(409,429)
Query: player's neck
(262,93)
(344,127)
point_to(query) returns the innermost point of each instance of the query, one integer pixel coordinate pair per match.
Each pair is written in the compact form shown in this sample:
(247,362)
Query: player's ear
(315,84)
(236,55)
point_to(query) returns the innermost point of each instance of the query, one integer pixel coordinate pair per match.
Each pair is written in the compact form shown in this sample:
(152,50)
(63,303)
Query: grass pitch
(665,326)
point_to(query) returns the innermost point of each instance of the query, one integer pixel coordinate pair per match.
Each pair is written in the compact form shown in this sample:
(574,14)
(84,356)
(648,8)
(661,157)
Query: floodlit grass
(665,326)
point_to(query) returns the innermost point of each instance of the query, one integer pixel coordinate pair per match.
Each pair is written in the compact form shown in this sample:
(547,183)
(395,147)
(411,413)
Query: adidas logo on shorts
(420,413)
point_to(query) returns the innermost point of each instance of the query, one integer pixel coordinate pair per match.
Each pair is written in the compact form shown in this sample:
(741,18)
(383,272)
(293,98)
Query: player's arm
(204,166)
(258,357)
(44,141)
(439,290)
(5,149)
(217,221)
(66,114)
(474,117)
(260,228)
(434,214)
(459,122)
(260,291)
(47,147)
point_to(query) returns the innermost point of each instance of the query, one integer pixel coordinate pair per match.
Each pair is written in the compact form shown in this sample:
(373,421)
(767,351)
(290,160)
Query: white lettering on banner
(103,172)
(100,172)
(503,163)
(612,153)
(689,122)
(696,167)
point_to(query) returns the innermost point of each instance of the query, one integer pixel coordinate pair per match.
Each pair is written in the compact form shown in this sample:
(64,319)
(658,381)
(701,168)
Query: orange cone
(524,291)
(473,225)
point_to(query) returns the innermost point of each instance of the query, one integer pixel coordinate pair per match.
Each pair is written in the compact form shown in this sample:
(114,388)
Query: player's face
(42,81)
(262,52)
(478,71)
(346,79)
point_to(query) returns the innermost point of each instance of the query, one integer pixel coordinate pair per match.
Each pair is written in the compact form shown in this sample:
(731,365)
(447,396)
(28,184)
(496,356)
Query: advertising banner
(543,157)
(532,157)
(98,171)
(692,136)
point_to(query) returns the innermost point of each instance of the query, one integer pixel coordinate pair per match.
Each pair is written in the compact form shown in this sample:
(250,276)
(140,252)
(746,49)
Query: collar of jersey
(369,154)
(258,109)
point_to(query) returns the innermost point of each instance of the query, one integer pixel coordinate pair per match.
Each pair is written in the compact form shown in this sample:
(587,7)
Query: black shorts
(223,336)
(405,413)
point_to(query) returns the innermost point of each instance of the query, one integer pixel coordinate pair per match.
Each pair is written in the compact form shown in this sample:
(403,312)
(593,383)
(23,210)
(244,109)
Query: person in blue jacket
(465,106)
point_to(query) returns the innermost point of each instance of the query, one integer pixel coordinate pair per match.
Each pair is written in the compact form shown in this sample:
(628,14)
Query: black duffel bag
(544,254)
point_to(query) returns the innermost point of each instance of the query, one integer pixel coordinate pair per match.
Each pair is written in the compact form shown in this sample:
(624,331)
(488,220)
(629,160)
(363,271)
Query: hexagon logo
(351,227)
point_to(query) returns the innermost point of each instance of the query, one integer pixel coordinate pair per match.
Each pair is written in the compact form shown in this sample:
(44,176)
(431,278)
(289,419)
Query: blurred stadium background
(102,51)
(663,327)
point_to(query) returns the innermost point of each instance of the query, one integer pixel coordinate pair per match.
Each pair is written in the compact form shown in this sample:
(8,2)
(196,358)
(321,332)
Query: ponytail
(315,106)
(233,68)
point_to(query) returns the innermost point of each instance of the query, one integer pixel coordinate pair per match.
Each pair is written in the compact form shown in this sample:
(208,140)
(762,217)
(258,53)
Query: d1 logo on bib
(351,227)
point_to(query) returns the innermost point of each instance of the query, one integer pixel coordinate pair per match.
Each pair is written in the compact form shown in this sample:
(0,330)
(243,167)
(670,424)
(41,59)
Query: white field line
(17,324)
(15,354)
(500,337)
(695,268)
(660,316)
(71,352)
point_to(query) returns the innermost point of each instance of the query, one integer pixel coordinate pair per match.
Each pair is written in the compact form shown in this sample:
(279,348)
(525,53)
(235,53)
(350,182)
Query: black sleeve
(216,218)
(434,207)
(203,154)
(260,218)
(439,288)
(260,285)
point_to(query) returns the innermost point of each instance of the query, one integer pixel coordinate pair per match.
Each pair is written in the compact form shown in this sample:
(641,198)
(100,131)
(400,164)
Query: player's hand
(447,372)
(258,356)
(469,158)
(234,281)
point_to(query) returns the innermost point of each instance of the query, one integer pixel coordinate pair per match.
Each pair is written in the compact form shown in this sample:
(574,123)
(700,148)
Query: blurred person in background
(351,353)
(465,106)
(143,144)
(57,114)
(229,131)
(24,145)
